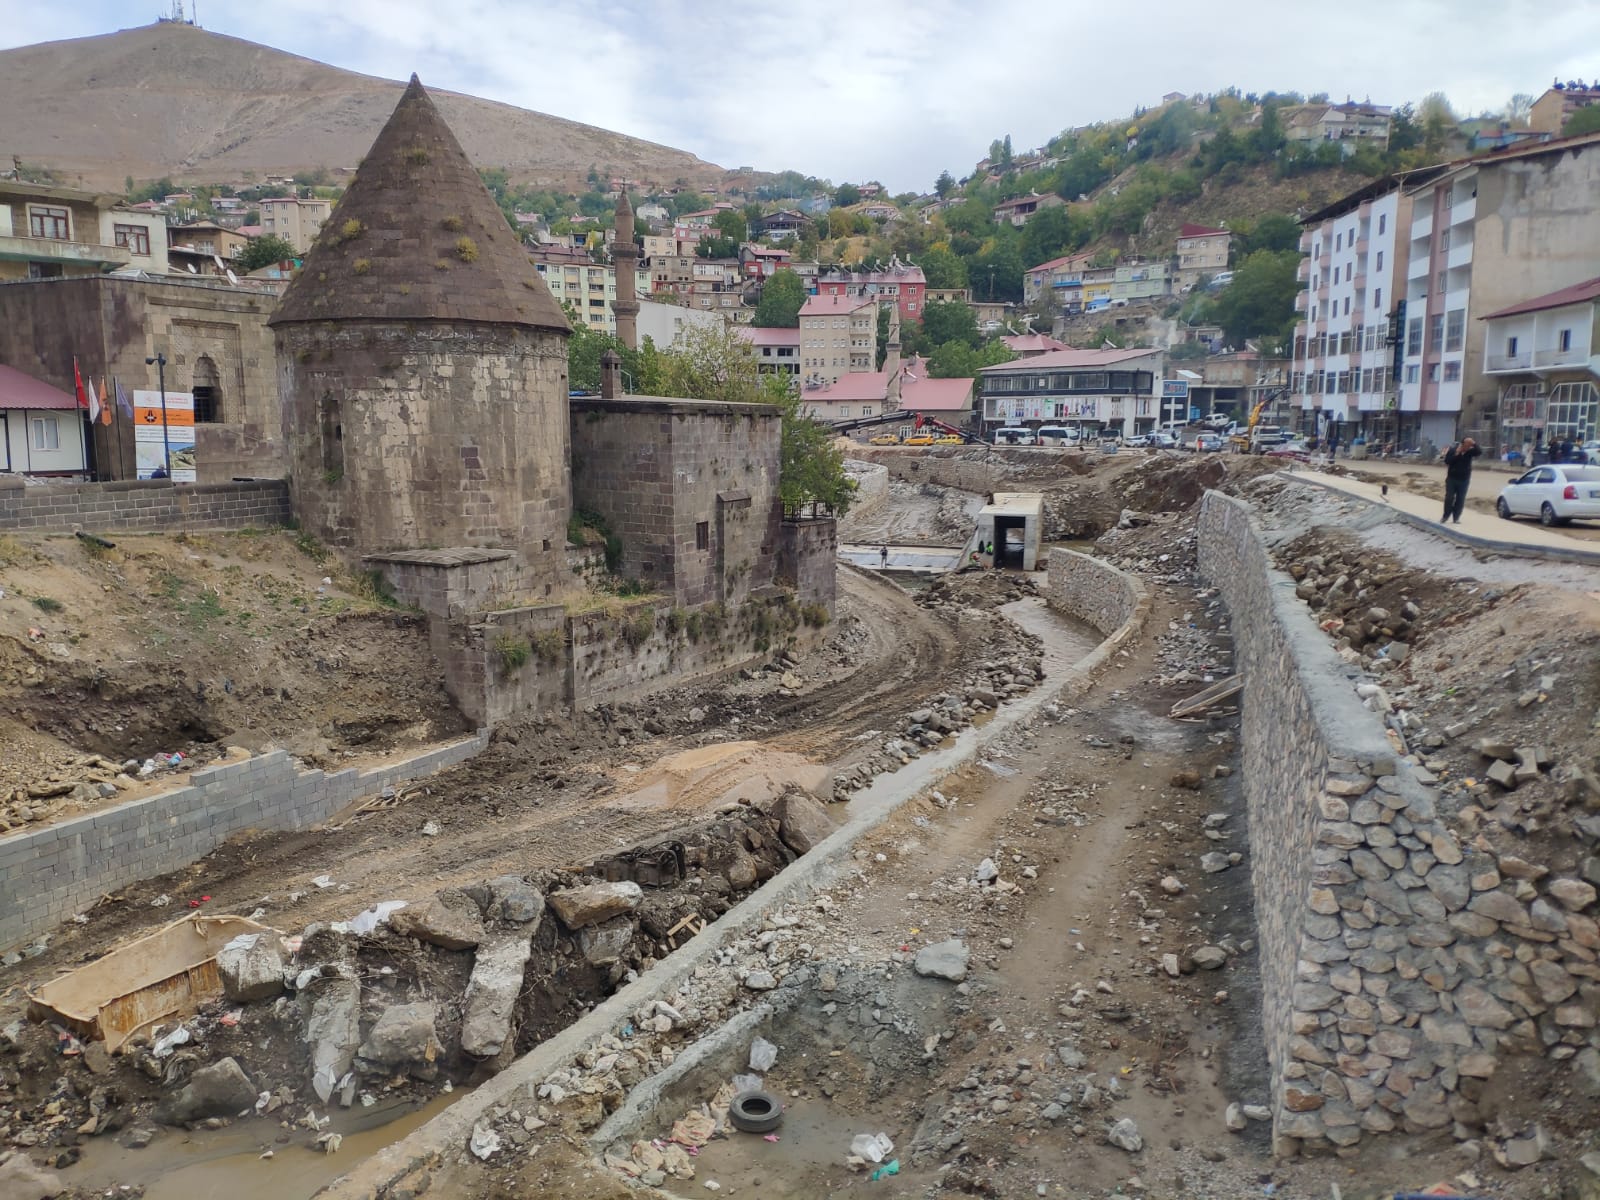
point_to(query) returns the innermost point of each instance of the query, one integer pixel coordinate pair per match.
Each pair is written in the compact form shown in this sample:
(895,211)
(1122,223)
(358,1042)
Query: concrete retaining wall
(872,487)
(1399,969)
(49,874)
(150,506)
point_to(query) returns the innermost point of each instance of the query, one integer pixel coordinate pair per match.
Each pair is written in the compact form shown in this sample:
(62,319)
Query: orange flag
(105,402)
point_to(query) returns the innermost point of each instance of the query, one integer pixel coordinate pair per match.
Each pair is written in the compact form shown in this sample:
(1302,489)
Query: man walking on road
(1457,475)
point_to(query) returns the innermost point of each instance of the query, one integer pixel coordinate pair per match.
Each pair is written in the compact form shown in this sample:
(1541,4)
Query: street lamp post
(159,362)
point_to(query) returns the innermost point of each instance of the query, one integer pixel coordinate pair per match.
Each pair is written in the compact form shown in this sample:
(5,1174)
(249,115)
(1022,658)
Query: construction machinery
(921,421)
(1255,437)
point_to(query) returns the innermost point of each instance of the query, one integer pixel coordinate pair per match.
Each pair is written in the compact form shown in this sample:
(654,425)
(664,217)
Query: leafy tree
(847,194)
(688,202)
(996,270)
(944,185)
(730,224)
(781,298)
(1518,109)
(1260,299)
(942,268)
(265,250)
(1438,119)
(958,360)
(1585,120)
(1052,232)
(972,217)
(716,247)
(947,321)
(715,363)
(1275,231)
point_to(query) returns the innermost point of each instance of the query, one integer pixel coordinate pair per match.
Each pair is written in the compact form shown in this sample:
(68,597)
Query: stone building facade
(689,486)
(423,366)
(214,336)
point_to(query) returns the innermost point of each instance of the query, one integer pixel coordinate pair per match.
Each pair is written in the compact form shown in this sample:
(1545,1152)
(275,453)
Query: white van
(1058,436)
(1014,435)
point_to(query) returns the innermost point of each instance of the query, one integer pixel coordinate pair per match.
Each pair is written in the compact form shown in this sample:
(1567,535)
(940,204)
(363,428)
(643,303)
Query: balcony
(1463,211)
(1498,363)
(1550,357)
(64,253)
(1422,226)
(1303,271)
(1460,256)
(1419,266)
(1305,241)
(1302,301)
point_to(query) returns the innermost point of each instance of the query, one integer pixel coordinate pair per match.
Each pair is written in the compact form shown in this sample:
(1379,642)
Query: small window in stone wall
(331,418)
(702,535)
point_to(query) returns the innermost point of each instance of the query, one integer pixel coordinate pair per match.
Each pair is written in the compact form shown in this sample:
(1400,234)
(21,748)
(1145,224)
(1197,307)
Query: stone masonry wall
(808,554)
(49,874)
(1092,590)
(153,506)
(1400,966)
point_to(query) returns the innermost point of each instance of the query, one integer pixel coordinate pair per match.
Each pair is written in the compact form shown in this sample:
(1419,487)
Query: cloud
(896,90)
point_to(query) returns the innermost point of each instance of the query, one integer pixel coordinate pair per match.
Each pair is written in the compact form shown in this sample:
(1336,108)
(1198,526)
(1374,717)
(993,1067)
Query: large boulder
(943,960)
(603,944)
(403,1038)
(492,993)
(802,821)
(595,902)
(220,1090)
(333,1031)
(515,900)
(450,920)
(251,966)
(21,1180)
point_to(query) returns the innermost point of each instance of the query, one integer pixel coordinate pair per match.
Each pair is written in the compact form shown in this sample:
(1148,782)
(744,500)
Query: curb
(447,1133)
(1588,558)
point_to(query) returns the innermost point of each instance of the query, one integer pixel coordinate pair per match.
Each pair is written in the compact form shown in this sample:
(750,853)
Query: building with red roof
(1542,355)
(41,427)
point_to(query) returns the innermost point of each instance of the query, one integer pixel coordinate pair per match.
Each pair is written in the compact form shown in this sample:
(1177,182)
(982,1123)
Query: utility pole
(159,362)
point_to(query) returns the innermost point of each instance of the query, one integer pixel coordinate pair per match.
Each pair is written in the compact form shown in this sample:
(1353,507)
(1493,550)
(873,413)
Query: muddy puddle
(230,1162)
(807,1161)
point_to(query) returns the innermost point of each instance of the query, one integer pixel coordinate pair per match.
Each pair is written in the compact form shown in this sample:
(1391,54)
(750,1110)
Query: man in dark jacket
(1457,475)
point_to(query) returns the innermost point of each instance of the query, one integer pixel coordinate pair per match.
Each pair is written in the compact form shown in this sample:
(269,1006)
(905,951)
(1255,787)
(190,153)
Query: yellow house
(49,232)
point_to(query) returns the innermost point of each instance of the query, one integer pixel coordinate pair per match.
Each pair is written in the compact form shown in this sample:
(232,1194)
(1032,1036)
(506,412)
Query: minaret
(625,261)
(891,360)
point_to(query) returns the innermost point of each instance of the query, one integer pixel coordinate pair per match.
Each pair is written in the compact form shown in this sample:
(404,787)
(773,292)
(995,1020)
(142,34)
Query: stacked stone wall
(1092,590)
(151,506)
(1401,966)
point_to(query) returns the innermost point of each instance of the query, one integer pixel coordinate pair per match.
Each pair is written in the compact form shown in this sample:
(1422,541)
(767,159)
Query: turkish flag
(77,379)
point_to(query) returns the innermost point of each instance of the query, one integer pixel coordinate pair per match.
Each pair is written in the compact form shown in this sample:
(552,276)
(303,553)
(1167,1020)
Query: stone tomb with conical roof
(423,370)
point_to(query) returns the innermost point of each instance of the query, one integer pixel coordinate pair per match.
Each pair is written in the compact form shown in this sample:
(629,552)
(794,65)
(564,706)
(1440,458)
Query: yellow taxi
(920,439)
(886,439)
(948,439)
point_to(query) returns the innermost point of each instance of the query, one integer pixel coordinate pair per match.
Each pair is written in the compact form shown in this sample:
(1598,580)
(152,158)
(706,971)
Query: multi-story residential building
(203,247)
(838,335)
(1487,233)
(1060,277)
(1554,109)
(783,225)
(777,351)
(1350,124)
(1019,209)
(1115,390)
(49,232)
(1344,356)
(1543,356)
(295,219)
(665,324)
(762,262)
(586,287)
(1138,281)
(948,296)
(1202,250)
(651,212)
(716,283)
(900,282)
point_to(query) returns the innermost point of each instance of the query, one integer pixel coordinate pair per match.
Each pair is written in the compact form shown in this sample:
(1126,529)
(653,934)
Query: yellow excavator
(1244,441)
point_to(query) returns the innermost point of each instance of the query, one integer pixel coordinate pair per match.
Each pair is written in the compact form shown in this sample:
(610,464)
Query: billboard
(153,440)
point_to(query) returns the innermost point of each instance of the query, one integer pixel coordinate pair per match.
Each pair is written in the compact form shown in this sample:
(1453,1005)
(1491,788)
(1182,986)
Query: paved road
(1484,525)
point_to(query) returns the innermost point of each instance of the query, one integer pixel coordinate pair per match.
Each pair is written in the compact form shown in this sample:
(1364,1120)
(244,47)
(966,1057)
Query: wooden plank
(1210,698)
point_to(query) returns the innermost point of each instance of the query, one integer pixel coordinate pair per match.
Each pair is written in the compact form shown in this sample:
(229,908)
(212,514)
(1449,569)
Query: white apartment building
(1344,353)
(1488,233)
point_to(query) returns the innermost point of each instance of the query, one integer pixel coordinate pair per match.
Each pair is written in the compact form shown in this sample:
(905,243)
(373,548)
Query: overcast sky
(890,89)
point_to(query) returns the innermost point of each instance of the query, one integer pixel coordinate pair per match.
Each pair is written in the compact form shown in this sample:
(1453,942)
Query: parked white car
(1555,494)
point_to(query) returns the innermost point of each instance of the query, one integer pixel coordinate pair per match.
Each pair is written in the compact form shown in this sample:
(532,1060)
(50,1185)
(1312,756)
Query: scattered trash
(167,1043)
(231,1019)
(892,1167)
(874,1147)
(323,881)
(266,1154)
(693,1130)
(771,1137)
(430,829)
(485,1142)
(66,1044)
(330,1142)
(762,1055)
(368,920)
(999,769)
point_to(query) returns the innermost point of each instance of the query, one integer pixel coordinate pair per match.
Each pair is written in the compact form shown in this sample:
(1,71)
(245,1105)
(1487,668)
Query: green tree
(1052,232)
(942,268)
(1275,231)
(1259,302)
(263,251)
(781,298)
(944,185)
(958,360)
(996,270)
(847,194)
(730,224)
(1585,120)
(716,247)
(971,217)
(950,321)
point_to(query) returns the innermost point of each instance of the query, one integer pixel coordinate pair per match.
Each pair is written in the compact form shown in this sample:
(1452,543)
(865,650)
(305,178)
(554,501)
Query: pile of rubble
(82,783)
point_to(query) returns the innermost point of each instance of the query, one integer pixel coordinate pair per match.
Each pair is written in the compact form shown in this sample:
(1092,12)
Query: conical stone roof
(417,237)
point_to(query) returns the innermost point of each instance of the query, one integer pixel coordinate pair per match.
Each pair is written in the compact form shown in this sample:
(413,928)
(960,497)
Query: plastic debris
(892,1167)
(762,1055)
(323,881)
(368,920)
(330,1142)
(168,1042)
(161,901)
(231,1019)
(874,1147)
(769,1137)
(485,1142)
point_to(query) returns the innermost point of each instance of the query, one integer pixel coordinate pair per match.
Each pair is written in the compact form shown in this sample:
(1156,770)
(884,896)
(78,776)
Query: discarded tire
(756,1112)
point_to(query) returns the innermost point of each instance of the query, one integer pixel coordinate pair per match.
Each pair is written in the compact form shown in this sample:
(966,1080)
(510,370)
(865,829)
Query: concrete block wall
(49,874)
(149,506)
(1401,967)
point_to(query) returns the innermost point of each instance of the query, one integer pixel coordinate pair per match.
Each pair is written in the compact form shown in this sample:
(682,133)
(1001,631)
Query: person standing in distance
(1457,475)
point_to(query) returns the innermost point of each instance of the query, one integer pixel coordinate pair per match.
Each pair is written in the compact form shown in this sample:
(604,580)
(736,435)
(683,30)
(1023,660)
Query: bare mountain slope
(175,100)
